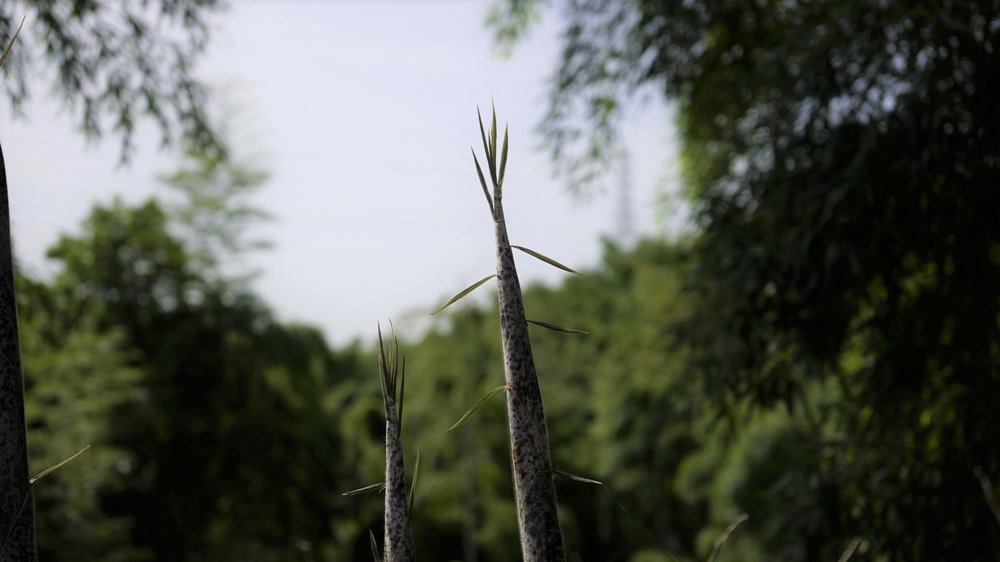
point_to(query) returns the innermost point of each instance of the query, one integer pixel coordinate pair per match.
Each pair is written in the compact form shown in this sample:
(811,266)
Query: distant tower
(625,219)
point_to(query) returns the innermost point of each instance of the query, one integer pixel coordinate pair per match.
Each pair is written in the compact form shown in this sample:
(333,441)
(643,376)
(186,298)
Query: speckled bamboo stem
(17,521)
(398,534)
(534,490)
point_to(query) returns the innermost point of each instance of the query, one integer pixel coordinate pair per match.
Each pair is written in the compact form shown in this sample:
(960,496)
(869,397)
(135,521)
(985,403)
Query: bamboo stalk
(534,489)
(17,521)
(398,533)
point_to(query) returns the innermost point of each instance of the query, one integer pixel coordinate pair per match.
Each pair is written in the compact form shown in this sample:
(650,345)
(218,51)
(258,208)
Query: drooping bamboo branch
(398,533)
(534,489)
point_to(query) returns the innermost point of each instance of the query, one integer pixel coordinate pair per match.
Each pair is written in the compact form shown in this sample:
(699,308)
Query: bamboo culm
(17,522)
(534,488)
(398,539)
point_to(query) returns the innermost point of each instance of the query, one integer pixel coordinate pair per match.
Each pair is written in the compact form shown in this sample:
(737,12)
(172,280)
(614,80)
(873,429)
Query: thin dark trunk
(17,519)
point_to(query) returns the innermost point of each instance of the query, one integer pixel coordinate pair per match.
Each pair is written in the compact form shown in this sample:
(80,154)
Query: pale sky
(364,113)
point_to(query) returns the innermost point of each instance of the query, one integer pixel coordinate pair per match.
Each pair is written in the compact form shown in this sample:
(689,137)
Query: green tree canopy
(213,431)
(843,164)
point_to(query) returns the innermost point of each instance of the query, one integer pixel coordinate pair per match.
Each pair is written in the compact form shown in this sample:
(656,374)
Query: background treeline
(219,433)
(822,353)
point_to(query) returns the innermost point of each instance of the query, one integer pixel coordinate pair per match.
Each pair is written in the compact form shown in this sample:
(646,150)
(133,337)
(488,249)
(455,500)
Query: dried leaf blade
(413,481)
(6,51)
(468,290)
(482,181)
(402,390)
(482,133)
(364,489)
(493,135)
(725,536)
(547,260)
(503,155)
(555,328)
(849,551)
(478,404)
(576,478)
(56,467)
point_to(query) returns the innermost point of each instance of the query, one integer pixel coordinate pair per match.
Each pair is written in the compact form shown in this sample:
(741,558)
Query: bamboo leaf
(374,545)
(725,536)
(493,137)
(471,288)
(482,133)
(6,50)
(482,181)
(392,375)
(413,482)
(849,551)
(383,368)
(503,155)
(546,259)
(555,328)
(476,406)
(577,478)
(52,469)
(362,490)
(402,390)
(490,155)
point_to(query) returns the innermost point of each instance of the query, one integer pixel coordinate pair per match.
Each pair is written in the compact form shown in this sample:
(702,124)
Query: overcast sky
(364,113)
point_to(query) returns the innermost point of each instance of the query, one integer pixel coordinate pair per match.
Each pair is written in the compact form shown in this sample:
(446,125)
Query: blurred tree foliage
(113,63)
(219,433)
(215,215)
(843,161)
(210,420)
(838,307)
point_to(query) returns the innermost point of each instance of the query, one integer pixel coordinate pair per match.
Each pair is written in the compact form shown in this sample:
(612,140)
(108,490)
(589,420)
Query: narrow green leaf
(482,133)
(476,406)
(482,181)
(555,328)
(577,478)
(6,50)
(368,488)
(383,368)
(471,288)
(52,469)
(392,372)
(546,259)
(490,154)
(413,481)
(374,544)
(493,136)
(503,155)
(402,390)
